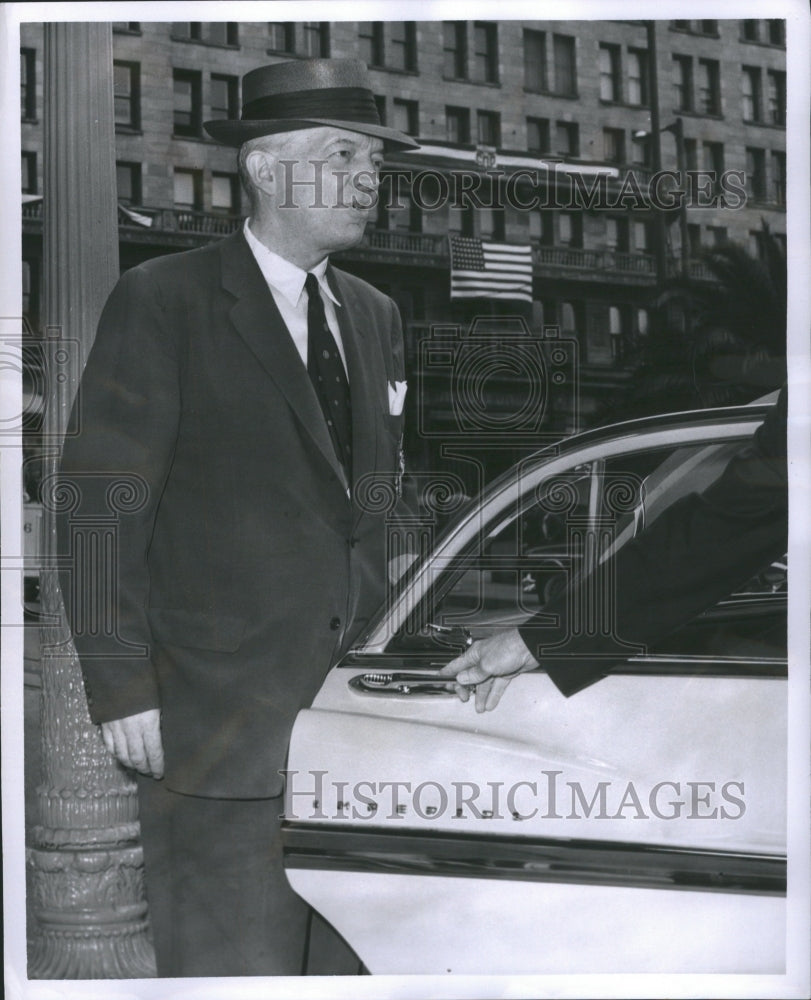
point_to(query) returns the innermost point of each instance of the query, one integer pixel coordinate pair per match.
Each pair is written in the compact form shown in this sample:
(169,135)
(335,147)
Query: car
(637,826)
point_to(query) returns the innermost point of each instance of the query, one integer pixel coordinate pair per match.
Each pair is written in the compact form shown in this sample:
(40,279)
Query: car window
(565,525)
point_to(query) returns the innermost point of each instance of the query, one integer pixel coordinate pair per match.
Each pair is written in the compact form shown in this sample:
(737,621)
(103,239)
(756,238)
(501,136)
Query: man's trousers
(219,902)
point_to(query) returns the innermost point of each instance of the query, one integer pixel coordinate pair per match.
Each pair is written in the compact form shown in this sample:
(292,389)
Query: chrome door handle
(400,684)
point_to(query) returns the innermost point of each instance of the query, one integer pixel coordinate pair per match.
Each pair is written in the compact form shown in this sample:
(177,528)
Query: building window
(542,227)
(403,48)
(750,30)
(717,235)
(380,102)
(570,229)
(211,32)
(126,94)
(316,39)
(128,183)
(491,224)
(683,82)
(641,151)
(642,242)
(127,27)
(565,68)
(188,117)
(28,166)
(757,245)
(777,31)
(714,157)
(756,173)
(281,37)
(642,322)
(225,193)
(27,284)
(188,188)
(776,83)
(370,42)
(405,116)
(690,154)
(567,139)
(224,99)
(488,128)
(460,220)
(485,52)
(713,153)
(610,73)
(223,33)
(568,317)
(457,124)
(708,27)
(454,45)
(409,221)
(778,177)
(709,87)
(537,135)
(188,30)
(534,61)
(617,234)
(637,76)
(750,94)
(614,145)
(28,84)
(680,25)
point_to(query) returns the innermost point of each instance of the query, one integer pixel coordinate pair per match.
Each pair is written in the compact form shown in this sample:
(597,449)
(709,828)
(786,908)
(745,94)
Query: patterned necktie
(327,373)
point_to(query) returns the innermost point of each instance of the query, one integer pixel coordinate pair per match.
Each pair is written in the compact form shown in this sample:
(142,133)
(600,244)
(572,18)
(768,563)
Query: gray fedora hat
(303,93)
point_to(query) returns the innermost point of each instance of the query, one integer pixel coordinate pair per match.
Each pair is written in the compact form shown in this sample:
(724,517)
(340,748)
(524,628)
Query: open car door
(638,826)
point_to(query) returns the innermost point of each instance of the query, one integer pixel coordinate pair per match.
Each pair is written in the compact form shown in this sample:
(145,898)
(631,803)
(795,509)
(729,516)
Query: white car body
(637,826)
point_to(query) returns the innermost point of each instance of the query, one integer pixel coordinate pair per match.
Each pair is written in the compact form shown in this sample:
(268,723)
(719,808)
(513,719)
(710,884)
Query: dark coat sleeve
(116,457)
(694,554)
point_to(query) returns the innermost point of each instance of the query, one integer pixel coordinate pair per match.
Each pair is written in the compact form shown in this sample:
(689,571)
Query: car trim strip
(340,847)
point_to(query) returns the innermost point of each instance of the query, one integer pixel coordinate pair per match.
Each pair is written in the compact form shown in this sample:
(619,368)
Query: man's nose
(366,178)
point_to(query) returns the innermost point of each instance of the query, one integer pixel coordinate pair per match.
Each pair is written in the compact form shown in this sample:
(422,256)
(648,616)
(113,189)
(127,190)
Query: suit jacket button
(335,623)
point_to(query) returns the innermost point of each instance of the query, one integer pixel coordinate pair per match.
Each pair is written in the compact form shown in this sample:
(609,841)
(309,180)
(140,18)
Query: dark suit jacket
(241,567)
(694,554)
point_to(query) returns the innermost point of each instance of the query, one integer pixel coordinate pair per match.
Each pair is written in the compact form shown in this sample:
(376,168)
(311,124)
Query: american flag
(490,270)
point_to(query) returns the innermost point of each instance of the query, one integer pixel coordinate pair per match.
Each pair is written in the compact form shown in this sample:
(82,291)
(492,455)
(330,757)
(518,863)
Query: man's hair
(269,143)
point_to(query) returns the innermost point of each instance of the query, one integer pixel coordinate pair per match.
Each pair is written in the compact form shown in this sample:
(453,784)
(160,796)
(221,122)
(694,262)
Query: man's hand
(136,741)
(488,667)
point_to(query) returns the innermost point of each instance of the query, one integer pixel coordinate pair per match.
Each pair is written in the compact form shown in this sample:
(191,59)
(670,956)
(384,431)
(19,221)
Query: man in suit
(688,559)
(248,390)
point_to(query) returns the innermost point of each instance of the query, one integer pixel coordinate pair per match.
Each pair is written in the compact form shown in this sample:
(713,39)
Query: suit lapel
(259,323)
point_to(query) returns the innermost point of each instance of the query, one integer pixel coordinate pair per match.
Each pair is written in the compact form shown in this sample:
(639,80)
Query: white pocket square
(397,397)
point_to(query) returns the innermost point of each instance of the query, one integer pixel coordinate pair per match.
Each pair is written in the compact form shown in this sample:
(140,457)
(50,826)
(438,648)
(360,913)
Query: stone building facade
(556,102)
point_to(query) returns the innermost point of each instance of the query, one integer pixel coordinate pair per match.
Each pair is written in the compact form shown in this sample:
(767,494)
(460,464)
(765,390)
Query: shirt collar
(285,277)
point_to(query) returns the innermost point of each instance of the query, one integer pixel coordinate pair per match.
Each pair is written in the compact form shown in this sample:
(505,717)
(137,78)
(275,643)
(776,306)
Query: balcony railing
(593,260)
(188,222)
(420,243)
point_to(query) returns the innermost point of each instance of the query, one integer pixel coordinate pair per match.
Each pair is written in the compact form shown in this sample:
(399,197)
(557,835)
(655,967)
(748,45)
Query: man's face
(326,181)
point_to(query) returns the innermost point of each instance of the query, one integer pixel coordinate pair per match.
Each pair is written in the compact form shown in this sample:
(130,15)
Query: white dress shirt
(286,284)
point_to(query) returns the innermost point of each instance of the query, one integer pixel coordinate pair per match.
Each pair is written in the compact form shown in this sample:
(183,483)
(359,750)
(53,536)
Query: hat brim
(234,133)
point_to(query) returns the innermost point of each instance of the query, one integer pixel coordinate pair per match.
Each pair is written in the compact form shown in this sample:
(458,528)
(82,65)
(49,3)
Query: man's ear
(260,166)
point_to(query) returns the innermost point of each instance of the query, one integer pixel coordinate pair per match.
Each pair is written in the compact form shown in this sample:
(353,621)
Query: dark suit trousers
(219,902)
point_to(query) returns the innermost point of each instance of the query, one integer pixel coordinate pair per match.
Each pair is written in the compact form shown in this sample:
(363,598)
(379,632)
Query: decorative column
(86,865)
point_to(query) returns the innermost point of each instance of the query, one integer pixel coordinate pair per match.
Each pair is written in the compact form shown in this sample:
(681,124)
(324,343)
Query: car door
(637,826)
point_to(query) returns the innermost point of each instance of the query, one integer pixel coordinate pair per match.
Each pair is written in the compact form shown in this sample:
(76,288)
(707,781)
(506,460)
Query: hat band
(352,104)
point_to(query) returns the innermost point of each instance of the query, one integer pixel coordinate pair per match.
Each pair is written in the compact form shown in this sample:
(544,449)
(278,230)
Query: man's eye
(342,154)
